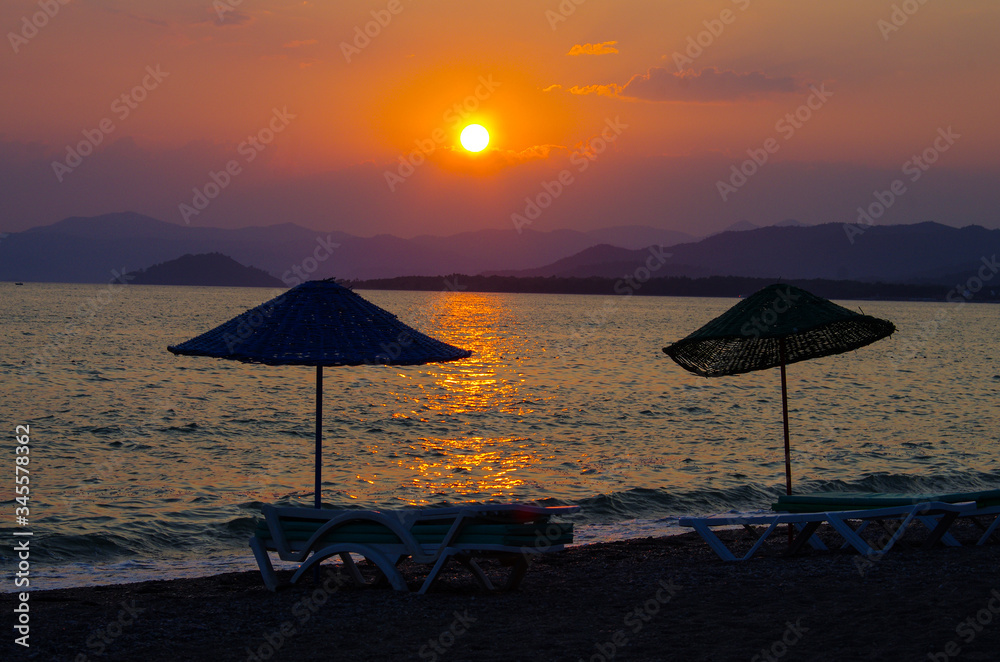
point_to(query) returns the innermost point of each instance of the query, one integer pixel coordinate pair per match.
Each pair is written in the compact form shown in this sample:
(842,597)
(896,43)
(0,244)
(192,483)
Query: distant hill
(604,261)
(87,249)
(208,269)
(923,253)
(740,226)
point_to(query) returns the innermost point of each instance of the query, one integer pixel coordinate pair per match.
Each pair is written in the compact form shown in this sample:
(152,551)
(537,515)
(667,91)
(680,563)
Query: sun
(475,138)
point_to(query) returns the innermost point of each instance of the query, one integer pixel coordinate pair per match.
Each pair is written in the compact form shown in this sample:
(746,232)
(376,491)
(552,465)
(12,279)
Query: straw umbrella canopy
(319,323)
(776,326)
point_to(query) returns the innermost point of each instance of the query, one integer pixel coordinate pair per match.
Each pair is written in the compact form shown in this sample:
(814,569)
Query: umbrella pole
(784,412)
(319,432)
(788,451)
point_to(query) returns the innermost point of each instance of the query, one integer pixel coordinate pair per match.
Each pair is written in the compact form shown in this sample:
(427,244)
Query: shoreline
(74,575)
(846,290)
(642,599)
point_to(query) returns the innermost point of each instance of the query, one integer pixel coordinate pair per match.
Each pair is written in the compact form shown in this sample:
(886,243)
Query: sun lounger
(935,515)
(820,501)
(807,512)
(975,505)
(512,532)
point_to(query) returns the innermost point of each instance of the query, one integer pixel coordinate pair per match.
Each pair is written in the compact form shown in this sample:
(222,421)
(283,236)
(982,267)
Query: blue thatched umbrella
(319,323)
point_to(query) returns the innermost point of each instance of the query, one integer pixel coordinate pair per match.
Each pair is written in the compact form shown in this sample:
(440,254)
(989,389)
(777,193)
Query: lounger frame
(386,556)
(936,516)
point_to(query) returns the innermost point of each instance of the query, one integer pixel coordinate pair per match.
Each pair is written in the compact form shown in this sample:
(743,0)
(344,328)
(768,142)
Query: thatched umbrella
(319,323)
(778,325)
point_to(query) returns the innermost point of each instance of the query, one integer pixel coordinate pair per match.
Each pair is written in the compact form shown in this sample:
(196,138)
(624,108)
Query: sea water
(144,464)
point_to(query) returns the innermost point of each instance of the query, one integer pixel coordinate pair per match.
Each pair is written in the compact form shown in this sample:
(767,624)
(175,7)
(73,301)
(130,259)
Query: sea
(145,465)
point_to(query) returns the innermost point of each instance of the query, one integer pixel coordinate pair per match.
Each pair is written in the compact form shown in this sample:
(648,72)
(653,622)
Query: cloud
(300,43)
(603,48)
(226,16)
(160,23)
(706,86)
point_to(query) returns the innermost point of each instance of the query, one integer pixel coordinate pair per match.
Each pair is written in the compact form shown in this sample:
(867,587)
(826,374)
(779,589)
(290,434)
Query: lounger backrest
(474,531)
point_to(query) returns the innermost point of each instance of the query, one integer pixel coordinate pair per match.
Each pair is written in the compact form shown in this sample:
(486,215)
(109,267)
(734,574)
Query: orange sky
(543,81)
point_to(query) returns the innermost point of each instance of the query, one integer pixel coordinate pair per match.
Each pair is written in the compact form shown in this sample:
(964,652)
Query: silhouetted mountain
(209,269)
(741,226)
(920,253)
(638,236)
(606,261)
(82,249)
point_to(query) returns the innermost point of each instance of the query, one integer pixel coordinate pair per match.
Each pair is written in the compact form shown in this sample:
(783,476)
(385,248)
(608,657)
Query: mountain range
(921,253)
(87,249)
(90,249)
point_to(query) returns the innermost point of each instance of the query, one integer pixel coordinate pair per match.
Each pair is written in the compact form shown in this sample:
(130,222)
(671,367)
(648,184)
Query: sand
(649,599)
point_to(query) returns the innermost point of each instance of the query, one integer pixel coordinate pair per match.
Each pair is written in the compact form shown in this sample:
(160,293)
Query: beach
(666,598)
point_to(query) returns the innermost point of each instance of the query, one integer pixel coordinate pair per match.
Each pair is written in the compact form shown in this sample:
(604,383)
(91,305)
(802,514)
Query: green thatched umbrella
(778,325)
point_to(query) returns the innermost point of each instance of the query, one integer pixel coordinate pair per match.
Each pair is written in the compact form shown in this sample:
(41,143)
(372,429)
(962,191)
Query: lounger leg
(720,548)
(939,530)
(900,530)
(805,534)
(517,573)
(442,560)
(352,569)
(387,568)
(713,541)
(264,563)
(476,571)
(990,531)
(851,536)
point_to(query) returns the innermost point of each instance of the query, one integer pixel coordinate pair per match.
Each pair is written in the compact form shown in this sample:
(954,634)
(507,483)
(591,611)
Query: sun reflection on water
(488,383)
(481,466)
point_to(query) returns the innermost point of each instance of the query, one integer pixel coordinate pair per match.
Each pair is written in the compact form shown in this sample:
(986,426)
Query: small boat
(19,283)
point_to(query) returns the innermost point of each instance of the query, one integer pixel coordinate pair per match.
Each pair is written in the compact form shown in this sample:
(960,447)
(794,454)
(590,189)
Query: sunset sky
(642,108)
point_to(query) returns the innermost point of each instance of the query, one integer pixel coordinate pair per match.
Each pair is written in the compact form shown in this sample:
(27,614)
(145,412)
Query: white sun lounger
(936,516)
(308,536)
